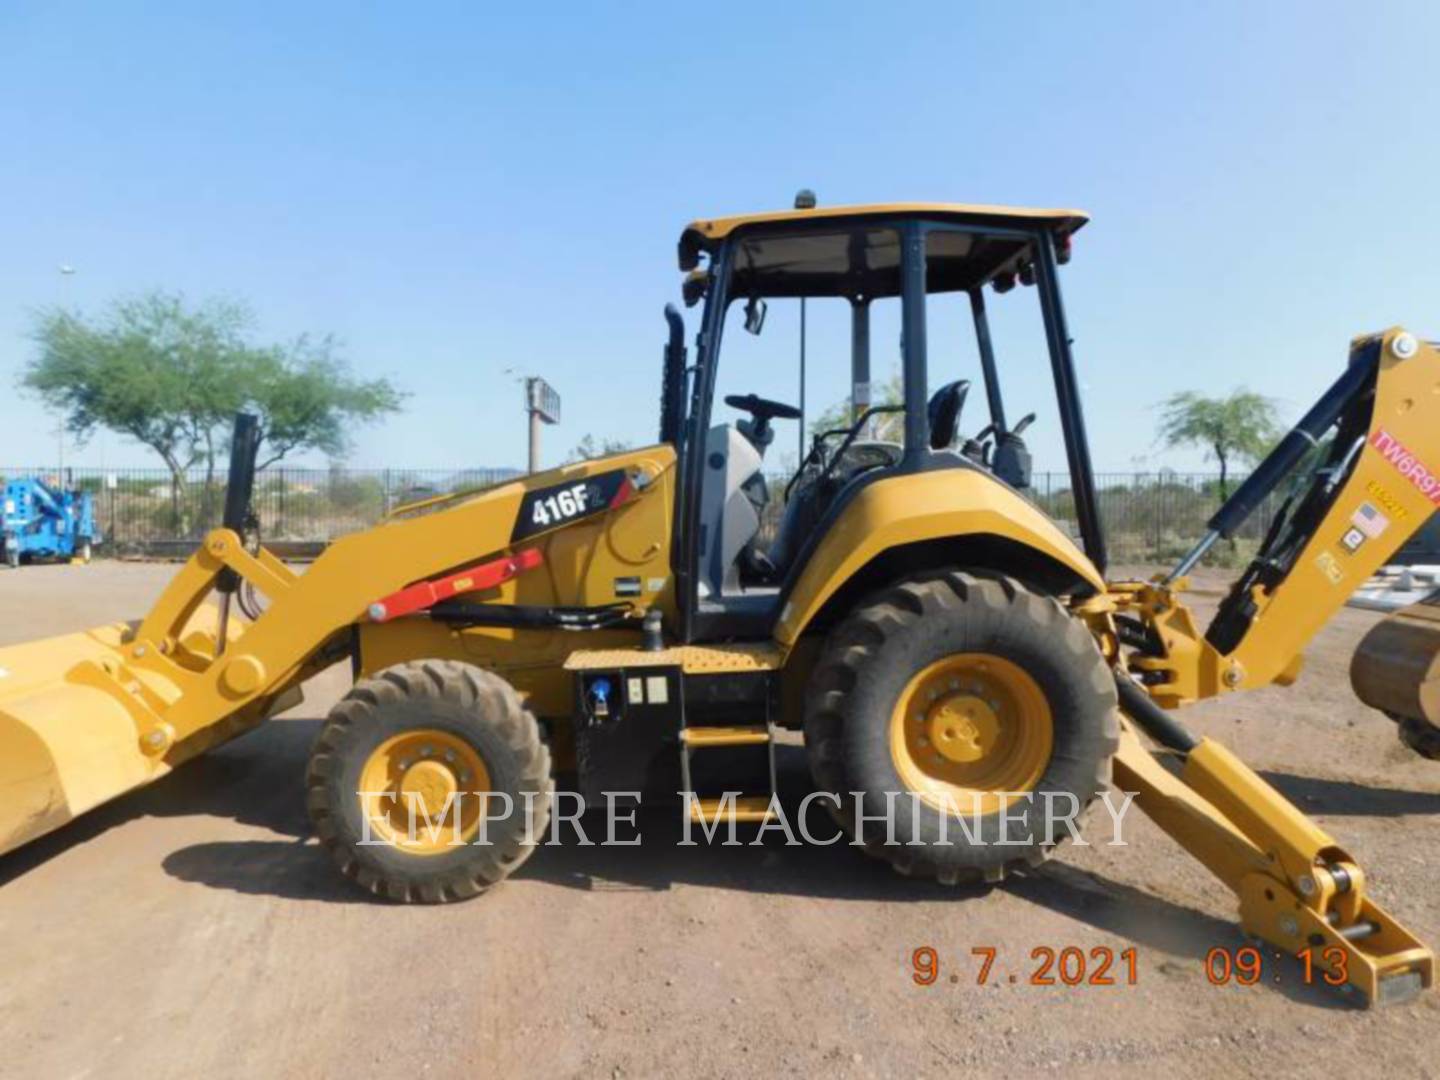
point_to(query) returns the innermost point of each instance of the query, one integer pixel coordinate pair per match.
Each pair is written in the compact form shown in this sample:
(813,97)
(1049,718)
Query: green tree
(1241,427)
(590,447)
(152,369)
(171,376)
(307,400)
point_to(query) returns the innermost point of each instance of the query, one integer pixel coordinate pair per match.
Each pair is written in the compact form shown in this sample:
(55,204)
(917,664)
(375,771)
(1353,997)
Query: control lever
(1012,462)
(977,446)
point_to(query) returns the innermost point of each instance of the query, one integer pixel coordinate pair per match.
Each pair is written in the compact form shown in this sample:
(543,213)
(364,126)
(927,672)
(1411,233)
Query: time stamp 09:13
(1101,965)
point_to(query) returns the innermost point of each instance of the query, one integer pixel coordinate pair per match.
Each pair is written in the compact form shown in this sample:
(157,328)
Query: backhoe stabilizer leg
(1298,890)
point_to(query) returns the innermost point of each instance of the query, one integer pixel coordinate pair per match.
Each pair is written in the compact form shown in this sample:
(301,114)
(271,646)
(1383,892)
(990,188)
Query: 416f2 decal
(548,507)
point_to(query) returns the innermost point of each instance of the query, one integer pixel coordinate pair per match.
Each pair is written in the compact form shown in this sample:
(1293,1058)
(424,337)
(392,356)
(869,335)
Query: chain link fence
(1149,517)
(150,510)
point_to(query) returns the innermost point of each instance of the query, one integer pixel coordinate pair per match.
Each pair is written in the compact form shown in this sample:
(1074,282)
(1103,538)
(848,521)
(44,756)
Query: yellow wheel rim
(423,791)
(969,729)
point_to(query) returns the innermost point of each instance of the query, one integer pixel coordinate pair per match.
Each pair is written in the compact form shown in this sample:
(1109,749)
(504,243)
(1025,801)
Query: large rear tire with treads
(971,696)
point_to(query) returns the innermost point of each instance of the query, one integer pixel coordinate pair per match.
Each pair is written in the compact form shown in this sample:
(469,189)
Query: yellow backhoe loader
(626,622)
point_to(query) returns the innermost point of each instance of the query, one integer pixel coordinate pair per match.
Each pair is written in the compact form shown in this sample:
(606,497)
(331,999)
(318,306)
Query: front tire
(396,778)
(977,698)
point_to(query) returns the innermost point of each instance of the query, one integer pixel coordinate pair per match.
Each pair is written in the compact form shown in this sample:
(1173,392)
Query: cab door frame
(693,626)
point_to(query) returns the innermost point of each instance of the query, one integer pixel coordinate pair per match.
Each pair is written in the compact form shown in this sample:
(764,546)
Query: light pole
(543,404)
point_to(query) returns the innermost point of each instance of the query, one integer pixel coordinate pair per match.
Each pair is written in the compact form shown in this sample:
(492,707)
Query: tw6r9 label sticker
(1407,464)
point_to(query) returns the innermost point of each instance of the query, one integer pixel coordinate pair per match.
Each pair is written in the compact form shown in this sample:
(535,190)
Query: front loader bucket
(1396,667)
(70,709)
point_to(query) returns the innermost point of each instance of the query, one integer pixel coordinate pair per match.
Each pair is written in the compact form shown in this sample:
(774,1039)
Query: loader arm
(337,592)
(1376,437)
(86,717)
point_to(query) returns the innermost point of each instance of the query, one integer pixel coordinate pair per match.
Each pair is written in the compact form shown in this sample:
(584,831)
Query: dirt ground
(195,929)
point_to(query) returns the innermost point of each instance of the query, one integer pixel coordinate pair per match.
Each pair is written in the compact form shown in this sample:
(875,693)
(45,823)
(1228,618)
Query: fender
(916,507)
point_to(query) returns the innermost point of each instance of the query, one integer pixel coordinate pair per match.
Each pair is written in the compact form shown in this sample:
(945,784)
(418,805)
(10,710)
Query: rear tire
(430,734)
(1003,680)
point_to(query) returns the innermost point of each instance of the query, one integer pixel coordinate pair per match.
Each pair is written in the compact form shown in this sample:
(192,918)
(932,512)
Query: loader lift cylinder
(239,487)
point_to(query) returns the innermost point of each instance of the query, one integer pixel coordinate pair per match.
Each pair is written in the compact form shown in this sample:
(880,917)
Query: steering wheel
(762,409)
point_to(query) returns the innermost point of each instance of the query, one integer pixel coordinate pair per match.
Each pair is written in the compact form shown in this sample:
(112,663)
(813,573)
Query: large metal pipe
(672,404)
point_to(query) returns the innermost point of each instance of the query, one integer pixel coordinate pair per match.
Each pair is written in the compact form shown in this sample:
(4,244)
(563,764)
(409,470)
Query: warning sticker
(1407,464)
(1389,503)
(1370,520)
(1330,567)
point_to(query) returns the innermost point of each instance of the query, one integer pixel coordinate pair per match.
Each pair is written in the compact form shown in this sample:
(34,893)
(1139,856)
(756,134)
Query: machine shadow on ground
(1349,799)
(257,780)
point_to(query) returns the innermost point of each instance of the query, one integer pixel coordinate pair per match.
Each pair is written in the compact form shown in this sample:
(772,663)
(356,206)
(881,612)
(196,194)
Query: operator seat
(804,509)
(944,411)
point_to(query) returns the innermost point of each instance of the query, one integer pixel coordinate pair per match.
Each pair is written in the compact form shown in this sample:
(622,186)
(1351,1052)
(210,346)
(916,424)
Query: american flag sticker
(1369,520)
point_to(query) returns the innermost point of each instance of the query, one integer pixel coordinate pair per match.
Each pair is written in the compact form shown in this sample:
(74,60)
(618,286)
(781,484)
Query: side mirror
(754,315)
(697,284)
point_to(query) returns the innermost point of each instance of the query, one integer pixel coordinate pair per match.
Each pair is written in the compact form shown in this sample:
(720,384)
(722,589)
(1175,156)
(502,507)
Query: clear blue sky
(454,191)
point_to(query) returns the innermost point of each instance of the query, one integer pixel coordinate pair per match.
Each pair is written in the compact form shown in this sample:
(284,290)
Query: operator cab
(761,506)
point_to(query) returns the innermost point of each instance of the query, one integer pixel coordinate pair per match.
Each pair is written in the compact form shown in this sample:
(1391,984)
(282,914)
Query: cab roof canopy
(854,251)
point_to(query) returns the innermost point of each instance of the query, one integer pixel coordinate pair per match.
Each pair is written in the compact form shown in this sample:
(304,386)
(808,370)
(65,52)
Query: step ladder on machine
(715,742)
(714,701)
